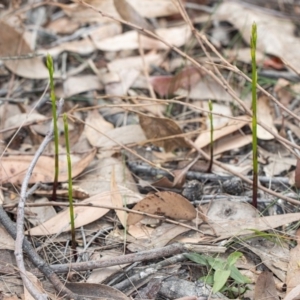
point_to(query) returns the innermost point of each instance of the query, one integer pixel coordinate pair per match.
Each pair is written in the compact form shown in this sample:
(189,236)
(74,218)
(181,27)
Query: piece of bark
(174,288)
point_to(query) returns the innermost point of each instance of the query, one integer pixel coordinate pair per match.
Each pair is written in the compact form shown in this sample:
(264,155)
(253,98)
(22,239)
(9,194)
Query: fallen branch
(166,251)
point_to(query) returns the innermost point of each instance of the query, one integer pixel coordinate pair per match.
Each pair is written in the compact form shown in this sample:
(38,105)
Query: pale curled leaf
(14,167)
(12,43)
(128,13)
(83,215)
(230,228)
(131,40)
(168,204)
(94,125)
(294,294)
(274,36)
(117,199)
(265,116)
(231,126)
(101,274)
(293,271)
(114,137)
(37,283)
(146,8)
(20,119)
(149,239)
(98,179)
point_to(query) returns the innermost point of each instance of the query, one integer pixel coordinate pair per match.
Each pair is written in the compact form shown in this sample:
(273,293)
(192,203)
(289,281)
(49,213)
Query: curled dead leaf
(13,44)
(293,271)
(156,128)
(95,291)
(128,13)
(167,204)
(167,85)
(83,215)
(14,167)
(265,116)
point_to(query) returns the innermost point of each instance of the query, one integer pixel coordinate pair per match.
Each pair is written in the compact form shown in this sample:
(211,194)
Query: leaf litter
(140,102)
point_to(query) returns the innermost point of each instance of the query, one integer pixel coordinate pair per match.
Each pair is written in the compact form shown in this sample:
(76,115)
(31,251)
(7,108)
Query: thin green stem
(254,113)
(70,188)
(50,67)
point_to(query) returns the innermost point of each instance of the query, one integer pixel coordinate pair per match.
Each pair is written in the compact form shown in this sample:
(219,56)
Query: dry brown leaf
(242,54)
(275,37)
(226,209)
(135,62)
(83,47)
(96,291)
(83,215)
(159,237)
(86,45)
(264,116)
(101,274)
(98,179)
(40,214)
(13,44)
(99,124)
(146,8)
(294,294)
(293,271)
(235,141)
(265,287)
(177,182)
(37,284)
(79,84)
(22,118)
(121,135)
(283,89)
(13,168)
(129,14)
(6,241)
(118,83)
(13,297)
(226,129)
(162,127)
(131,40)
(207,88)
(278,164)
(167,85)
(230,228)
(168,204)
(139,231)
(63,25)
(117,199)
